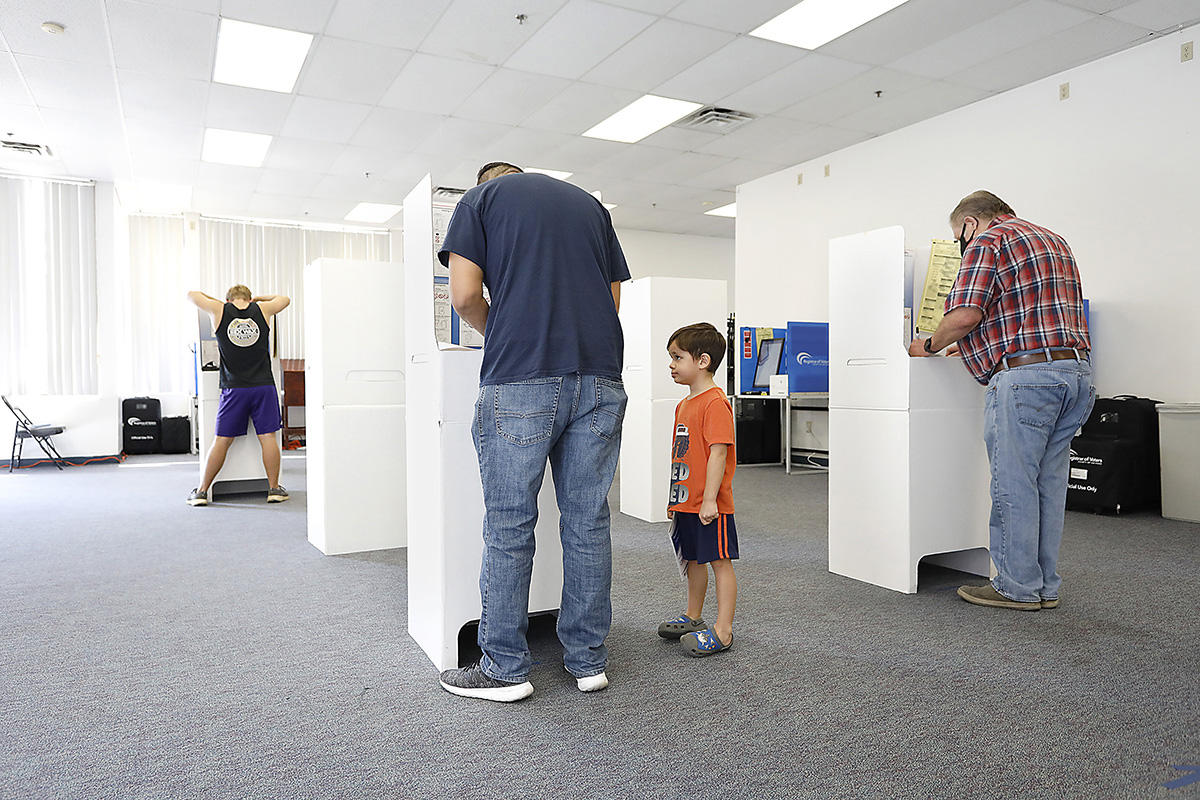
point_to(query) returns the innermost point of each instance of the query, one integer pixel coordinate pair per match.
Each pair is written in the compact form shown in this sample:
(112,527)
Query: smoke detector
(714,120)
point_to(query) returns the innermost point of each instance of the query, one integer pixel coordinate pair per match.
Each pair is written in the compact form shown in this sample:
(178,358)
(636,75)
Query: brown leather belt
(1056,354)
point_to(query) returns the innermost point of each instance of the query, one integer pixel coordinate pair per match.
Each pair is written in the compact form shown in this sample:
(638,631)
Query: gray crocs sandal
(680,626)
(703,643)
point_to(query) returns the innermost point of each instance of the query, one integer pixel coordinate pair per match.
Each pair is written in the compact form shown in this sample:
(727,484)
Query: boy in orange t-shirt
(701,500)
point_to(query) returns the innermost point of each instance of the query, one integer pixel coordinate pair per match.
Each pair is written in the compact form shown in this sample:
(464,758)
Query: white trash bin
(1179,446)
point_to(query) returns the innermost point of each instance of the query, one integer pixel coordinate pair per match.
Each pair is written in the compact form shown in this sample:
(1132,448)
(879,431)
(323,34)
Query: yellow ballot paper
(944,261)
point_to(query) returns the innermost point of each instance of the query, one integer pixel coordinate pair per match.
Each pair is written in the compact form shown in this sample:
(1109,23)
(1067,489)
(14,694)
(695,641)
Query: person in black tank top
(247,383)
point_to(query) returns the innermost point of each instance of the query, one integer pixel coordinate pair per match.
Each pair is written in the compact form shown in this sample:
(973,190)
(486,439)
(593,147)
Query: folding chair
(39,433)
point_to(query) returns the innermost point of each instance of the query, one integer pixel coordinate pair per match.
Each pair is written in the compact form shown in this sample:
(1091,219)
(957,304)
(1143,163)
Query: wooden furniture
(293,400)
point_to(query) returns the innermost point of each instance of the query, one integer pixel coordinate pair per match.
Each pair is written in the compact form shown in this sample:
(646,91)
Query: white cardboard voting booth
(243,470)
(908,474)
(354,406)
(445,497)
(651,310)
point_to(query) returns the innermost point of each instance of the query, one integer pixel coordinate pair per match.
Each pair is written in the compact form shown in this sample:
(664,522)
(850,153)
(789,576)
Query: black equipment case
(141,423)
(176,435)
(1115,460)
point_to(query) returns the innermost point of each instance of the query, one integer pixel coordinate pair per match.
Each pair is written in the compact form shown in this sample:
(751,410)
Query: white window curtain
(270,259)
(159,325)
(48,287)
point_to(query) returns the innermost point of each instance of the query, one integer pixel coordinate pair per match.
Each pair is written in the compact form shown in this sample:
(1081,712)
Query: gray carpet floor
(152,650)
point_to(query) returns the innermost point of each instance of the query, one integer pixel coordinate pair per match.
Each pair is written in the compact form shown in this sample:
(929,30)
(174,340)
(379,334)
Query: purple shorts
(238,406)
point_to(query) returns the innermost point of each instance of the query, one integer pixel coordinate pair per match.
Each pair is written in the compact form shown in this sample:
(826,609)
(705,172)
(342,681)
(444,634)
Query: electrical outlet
(1185,51)
(826,170)
(799,178)
(1064,91)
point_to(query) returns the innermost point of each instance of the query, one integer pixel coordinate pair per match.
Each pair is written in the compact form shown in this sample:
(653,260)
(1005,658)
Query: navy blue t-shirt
(549,256)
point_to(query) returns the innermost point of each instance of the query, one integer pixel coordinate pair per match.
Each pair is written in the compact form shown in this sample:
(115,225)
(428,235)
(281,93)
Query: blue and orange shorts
(701,543)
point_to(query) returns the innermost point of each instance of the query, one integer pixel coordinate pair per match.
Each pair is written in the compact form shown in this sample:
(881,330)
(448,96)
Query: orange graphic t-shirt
(700,422)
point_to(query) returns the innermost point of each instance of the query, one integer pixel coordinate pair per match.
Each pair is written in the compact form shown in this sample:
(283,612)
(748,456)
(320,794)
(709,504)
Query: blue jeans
(1031,414)
(574,422)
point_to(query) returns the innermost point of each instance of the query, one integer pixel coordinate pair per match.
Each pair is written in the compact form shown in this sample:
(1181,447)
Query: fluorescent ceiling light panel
(235,147)
(642,117)
(724,211)
(812,23)
(258,56)
(553,173)
(373,212)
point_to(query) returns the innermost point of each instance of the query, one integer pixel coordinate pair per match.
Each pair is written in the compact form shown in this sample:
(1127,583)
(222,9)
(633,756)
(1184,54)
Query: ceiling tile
(203,6)
(657,54)
(578,38)
(179,171)
(148,96)
(274,206)
(630,162)
(296,183)
(358,189)
(733,67)
(162,41)
(385,22)
(301,154)
(102,154)
(853,95)
(486,31)
(1098,6)
(12,89)
(579,107)
(812,74)
(84,40)
(818,141)
(363,162)
(904,109)
(757,137)
(324,120)
(227,176)
(339,69)
(1158,15)
(434,84)
(985,40)
(742,16)
(508,96)
(649,6)
(22,123)
(1083,43)
(237,108)
(522,146)
(400,130)
(682,139)
(309,16)
(679,168)
(69,85)
(581,152)
(910,27)
(730,175)
(163,138)
(461,137)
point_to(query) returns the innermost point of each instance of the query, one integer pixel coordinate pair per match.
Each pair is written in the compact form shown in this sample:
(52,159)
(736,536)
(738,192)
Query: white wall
(675,255)
(1115,169)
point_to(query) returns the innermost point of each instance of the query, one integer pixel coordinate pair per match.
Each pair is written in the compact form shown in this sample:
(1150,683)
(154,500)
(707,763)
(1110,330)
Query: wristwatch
(928,342)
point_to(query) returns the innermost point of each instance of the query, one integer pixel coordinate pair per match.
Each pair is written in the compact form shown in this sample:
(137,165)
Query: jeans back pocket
(610,408)
(525,411)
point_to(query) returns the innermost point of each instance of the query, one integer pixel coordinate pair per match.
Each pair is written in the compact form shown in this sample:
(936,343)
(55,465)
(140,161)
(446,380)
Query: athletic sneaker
(197,498)
(472,681)
(277,495)
(592,683)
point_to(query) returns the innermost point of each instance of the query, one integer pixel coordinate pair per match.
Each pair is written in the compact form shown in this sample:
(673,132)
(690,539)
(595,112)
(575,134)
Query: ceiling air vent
(27,149)
(445,194)
(714,120)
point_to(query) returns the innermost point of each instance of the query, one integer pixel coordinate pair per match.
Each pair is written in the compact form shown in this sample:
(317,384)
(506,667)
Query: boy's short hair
(700,339)
(238,291)
(495,169)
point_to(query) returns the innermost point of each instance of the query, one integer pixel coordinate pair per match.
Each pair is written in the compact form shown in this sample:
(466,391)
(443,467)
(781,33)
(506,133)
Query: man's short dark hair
(982,205)
(494,170)
(700,339)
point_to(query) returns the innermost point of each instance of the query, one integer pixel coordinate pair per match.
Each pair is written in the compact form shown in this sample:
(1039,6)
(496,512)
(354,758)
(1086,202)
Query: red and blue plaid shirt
(1024,280)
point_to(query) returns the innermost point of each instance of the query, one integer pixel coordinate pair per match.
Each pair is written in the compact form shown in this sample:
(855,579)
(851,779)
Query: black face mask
(962,243)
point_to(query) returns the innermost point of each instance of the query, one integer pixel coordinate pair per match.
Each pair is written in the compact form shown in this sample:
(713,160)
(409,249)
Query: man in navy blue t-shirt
(550,390)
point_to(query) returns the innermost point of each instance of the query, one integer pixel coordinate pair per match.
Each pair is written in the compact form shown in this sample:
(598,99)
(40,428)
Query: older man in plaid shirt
(1016,314)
